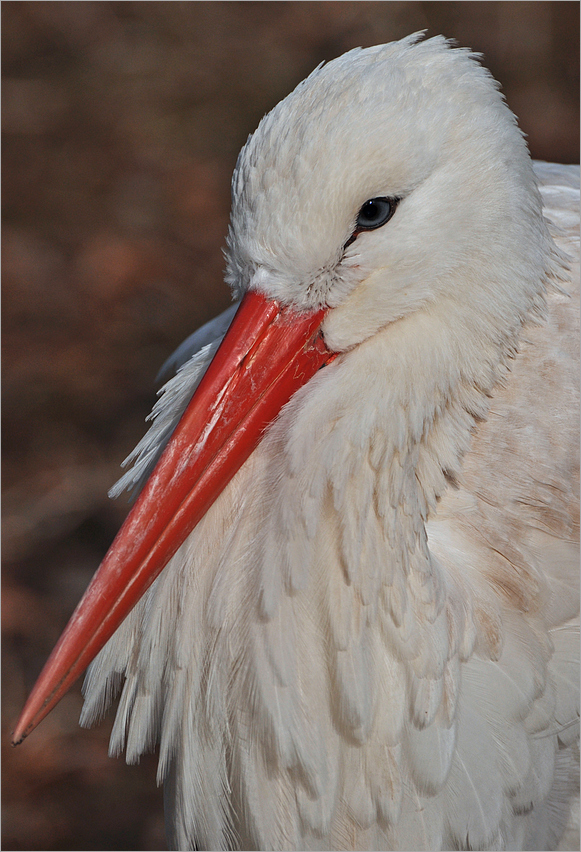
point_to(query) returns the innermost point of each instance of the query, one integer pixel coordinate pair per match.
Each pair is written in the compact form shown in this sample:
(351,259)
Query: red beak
(268,353)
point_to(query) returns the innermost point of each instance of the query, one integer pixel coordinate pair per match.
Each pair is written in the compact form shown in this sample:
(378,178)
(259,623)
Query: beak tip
(18,736)
(28,720)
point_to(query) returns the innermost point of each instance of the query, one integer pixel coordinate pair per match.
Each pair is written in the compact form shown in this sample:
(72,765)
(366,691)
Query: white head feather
(420,122)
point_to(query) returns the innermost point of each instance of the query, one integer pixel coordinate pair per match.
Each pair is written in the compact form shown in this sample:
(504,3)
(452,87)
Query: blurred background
(121,127)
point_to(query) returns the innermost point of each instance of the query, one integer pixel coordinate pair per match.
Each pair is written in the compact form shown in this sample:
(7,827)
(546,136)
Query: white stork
(364,634)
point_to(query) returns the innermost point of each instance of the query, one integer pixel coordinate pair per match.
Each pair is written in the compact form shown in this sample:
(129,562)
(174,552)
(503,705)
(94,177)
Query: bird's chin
(356,319)
(375,303)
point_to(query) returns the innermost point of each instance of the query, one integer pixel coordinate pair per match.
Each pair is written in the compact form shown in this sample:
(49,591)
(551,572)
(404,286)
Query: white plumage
(369,641)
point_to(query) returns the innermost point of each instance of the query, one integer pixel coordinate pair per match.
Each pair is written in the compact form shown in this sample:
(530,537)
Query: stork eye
(375,213)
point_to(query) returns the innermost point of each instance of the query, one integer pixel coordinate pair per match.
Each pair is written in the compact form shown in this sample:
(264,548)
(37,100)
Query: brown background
(122,122)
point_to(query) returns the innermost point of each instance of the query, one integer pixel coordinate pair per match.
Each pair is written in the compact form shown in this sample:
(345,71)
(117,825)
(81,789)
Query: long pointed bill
(267,354)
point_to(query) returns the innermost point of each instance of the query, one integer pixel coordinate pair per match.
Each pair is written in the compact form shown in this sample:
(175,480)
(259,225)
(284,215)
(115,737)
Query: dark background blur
(122,123)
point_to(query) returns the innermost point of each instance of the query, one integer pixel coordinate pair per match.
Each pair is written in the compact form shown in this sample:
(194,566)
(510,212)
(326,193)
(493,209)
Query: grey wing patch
(555,174)
(190,361)
(207,333)
(559,187)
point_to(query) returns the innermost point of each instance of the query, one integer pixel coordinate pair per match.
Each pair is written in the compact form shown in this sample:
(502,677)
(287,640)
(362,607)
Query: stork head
(392,183)
(391,178)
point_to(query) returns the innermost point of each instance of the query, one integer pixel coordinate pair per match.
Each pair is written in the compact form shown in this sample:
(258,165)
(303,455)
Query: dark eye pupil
(370,211)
